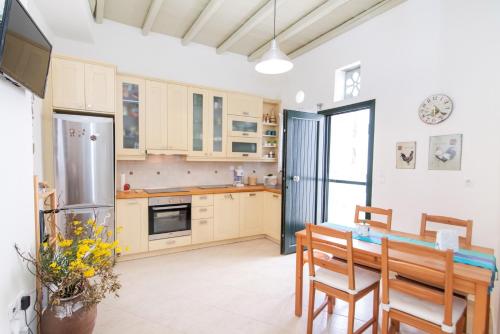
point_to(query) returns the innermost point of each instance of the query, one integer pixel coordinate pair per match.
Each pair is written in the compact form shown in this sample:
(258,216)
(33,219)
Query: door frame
(369,104)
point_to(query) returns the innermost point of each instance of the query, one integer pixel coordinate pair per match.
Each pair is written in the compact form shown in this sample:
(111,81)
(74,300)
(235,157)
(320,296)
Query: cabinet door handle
(245,155)
(203,210)
(203,222)
(244,134)
(246,113)
(170,242)
(252,194)
(132,203)
(203,197)
(275,196)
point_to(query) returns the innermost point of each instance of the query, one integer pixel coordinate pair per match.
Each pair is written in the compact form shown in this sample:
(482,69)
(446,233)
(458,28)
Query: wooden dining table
(468,280)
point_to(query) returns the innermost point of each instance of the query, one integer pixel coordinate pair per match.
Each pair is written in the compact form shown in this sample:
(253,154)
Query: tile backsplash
(174,171)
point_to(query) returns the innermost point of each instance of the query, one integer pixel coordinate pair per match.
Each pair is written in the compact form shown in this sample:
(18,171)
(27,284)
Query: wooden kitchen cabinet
(132,225)
(272,215)
(245,105)
(251,214)
(156,115)
(130,120)
(202,230)
(198,126)
(226,216)
(68,84)
(100,88)
(177,118)
(83,86)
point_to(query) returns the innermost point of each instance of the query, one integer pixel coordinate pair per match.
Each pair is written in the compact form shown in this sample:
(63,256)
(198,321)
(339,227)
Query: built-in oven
(169,217)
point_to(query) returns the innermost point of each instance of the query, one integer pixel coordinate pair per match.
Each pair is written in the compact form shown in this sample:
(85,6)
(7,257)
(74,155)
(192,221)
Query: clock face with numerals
(435,109)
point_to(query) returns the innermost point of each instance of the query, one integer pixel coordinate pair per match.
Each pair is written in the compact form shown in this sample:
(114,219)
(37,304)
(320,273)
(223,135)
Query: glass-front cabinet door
(218,117)
(244,147)
(130,120)
(198,127)
(241,126)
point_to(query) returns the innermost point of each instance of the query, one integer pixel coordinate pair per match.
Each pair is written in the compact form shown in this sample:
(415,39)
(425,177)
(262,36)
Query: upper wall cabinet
(68,84)
(82,86)
(130,118)
(99,88)
(207,123)
(177,118)
(245,105)
(156,115)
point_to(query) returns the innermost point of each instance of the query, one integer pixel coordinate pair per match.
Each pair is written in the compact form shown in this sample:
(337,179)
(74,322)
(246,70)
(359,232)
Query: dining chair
(420,306)
(338,279)
(442,220)
(377,211)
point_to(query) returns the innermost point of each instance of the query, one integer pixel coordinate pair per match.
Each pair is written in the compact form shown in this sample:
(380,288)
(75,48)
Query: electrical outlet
(16,315)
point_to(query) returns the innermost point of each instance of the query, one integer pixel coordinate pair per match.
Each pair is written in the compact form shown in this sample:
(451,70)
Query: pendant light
(274,61)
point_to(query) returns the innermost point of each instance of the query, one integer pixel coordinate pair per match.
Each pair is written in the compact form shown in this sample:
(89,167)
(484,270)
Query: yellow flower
(65,243)
(45,245)
(127,248)
(79,230)
(53,265)
(99,230)
(76,222)
(91,222)
(118,250)
(119,229)
(109,233)
(89,272)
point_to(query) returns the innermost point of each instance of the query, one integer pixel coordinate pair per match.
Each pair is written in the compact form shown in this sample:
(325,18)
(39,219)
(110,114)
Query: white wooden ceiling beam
(200,22)
(249,24)
(99,10)
(304,22)
(153,11)
(368,14)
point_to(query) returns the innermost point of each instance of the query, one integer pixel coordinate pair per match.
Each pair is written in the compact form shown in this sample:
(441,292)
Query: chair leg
(385,322)
(394,326)
(310,308)
(352,312)
(331,304)
(461,324)
(375,309)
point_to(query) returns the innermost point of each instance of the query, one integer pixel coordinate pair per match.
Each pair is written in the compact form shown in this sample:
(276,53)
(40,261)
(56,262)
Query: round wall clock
(435,109)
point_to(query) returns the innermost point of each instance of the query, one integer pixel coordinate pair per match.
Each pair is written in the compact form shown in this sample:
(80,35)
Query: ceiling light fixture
(274,61)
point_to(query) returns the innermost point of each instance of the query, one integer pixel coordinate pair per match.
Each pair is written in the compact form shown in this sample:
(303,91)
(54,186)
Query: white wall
(161,56)
(419,48)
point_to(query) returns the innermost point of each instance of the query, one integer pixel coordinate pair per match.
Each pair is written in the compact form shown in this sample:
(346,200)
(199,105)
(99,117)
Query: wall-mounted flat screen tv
(24,49)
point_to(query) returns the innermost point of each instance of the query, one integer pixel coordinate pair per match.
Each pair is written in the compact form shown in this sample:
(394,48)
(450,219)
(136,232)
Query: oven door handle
(158,208)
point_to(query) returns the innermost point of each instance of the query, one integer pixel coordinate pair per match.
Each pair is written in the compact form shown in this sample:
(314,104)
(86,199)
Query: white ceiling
(245,25)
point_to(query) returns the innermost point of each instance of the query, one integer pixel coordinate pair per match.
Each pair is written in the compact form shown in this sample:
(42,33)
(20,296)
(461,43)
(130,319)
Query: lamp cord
(274,27)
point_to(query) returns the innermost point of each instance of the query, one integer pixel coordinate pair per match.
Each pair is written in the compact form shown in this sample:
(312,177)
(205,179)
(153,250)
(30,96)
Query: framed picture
(406,155)
(445,152)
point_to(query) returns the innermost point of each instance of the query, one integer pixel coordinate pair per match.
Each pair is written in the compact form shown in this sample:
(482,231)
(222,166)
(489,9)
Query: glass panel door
(130,100)
(197,122)
(218,124)
(240,126)
(350,137)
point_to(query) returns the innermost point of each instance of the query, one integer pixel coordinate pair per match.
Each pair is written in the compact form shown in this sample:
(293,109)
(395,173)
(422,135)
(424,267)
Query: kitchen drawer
(202,212)
(169,243)
(202,230)
(202,200)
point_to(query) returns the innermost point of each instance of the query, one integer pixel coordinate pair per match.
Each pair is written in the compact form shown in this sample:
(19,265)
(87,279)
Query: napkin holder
(447,239)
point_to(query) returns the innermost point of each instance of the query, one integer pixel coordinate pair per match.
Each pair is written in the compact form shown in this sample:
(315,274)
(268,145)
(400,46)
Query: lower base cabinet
(251,214)
(202,231)
(272,215)
(226,216)
(132,225)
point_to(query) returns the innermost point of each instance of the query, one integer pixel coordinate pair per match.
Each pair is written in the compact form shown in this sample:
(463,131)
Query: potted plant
(77,272)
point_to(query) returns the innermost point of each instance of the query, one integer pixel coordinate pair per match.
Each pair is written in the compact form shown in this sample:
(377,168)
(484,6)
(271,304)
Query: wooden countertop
(140,193)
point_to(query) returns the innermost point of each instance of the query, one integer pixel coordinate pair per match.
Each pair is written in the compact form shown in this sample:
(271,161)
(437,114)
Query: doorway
(348,160)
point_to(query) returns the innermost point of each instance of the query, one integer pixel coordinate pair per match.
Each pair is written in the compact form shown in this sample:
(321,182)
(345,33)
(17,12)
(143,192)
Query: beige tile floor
(246,287)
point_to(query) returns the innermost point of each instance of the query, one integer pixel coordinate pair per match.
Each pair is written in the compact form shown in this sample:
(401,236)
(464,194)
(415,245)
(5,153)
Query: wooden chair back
(420,263)
(335,243)
(377,211)
(467,224)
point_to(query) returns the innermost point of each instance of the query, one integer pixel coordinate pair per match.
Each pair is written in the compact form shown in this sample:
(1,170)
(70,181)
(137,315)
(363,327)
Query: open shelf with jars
(270,130)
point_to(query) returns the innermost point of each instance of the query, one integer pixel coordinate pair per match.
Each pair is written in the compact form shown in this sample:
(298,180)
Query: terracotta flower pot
(69,317)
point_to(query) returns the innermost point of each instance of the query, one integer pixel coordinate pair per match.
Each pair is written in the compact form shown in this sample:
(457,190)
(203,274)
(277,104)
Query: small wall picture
(445,152)
(406,155)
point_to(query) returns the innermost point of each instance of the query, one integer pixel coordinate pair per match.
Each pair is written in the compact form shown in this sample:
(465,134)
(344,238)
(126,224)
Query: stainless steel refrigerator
(84,169)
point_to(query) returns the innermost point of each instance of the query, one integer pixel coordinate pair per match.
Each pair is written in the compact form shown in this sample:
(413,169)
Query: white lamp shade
(274,61)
